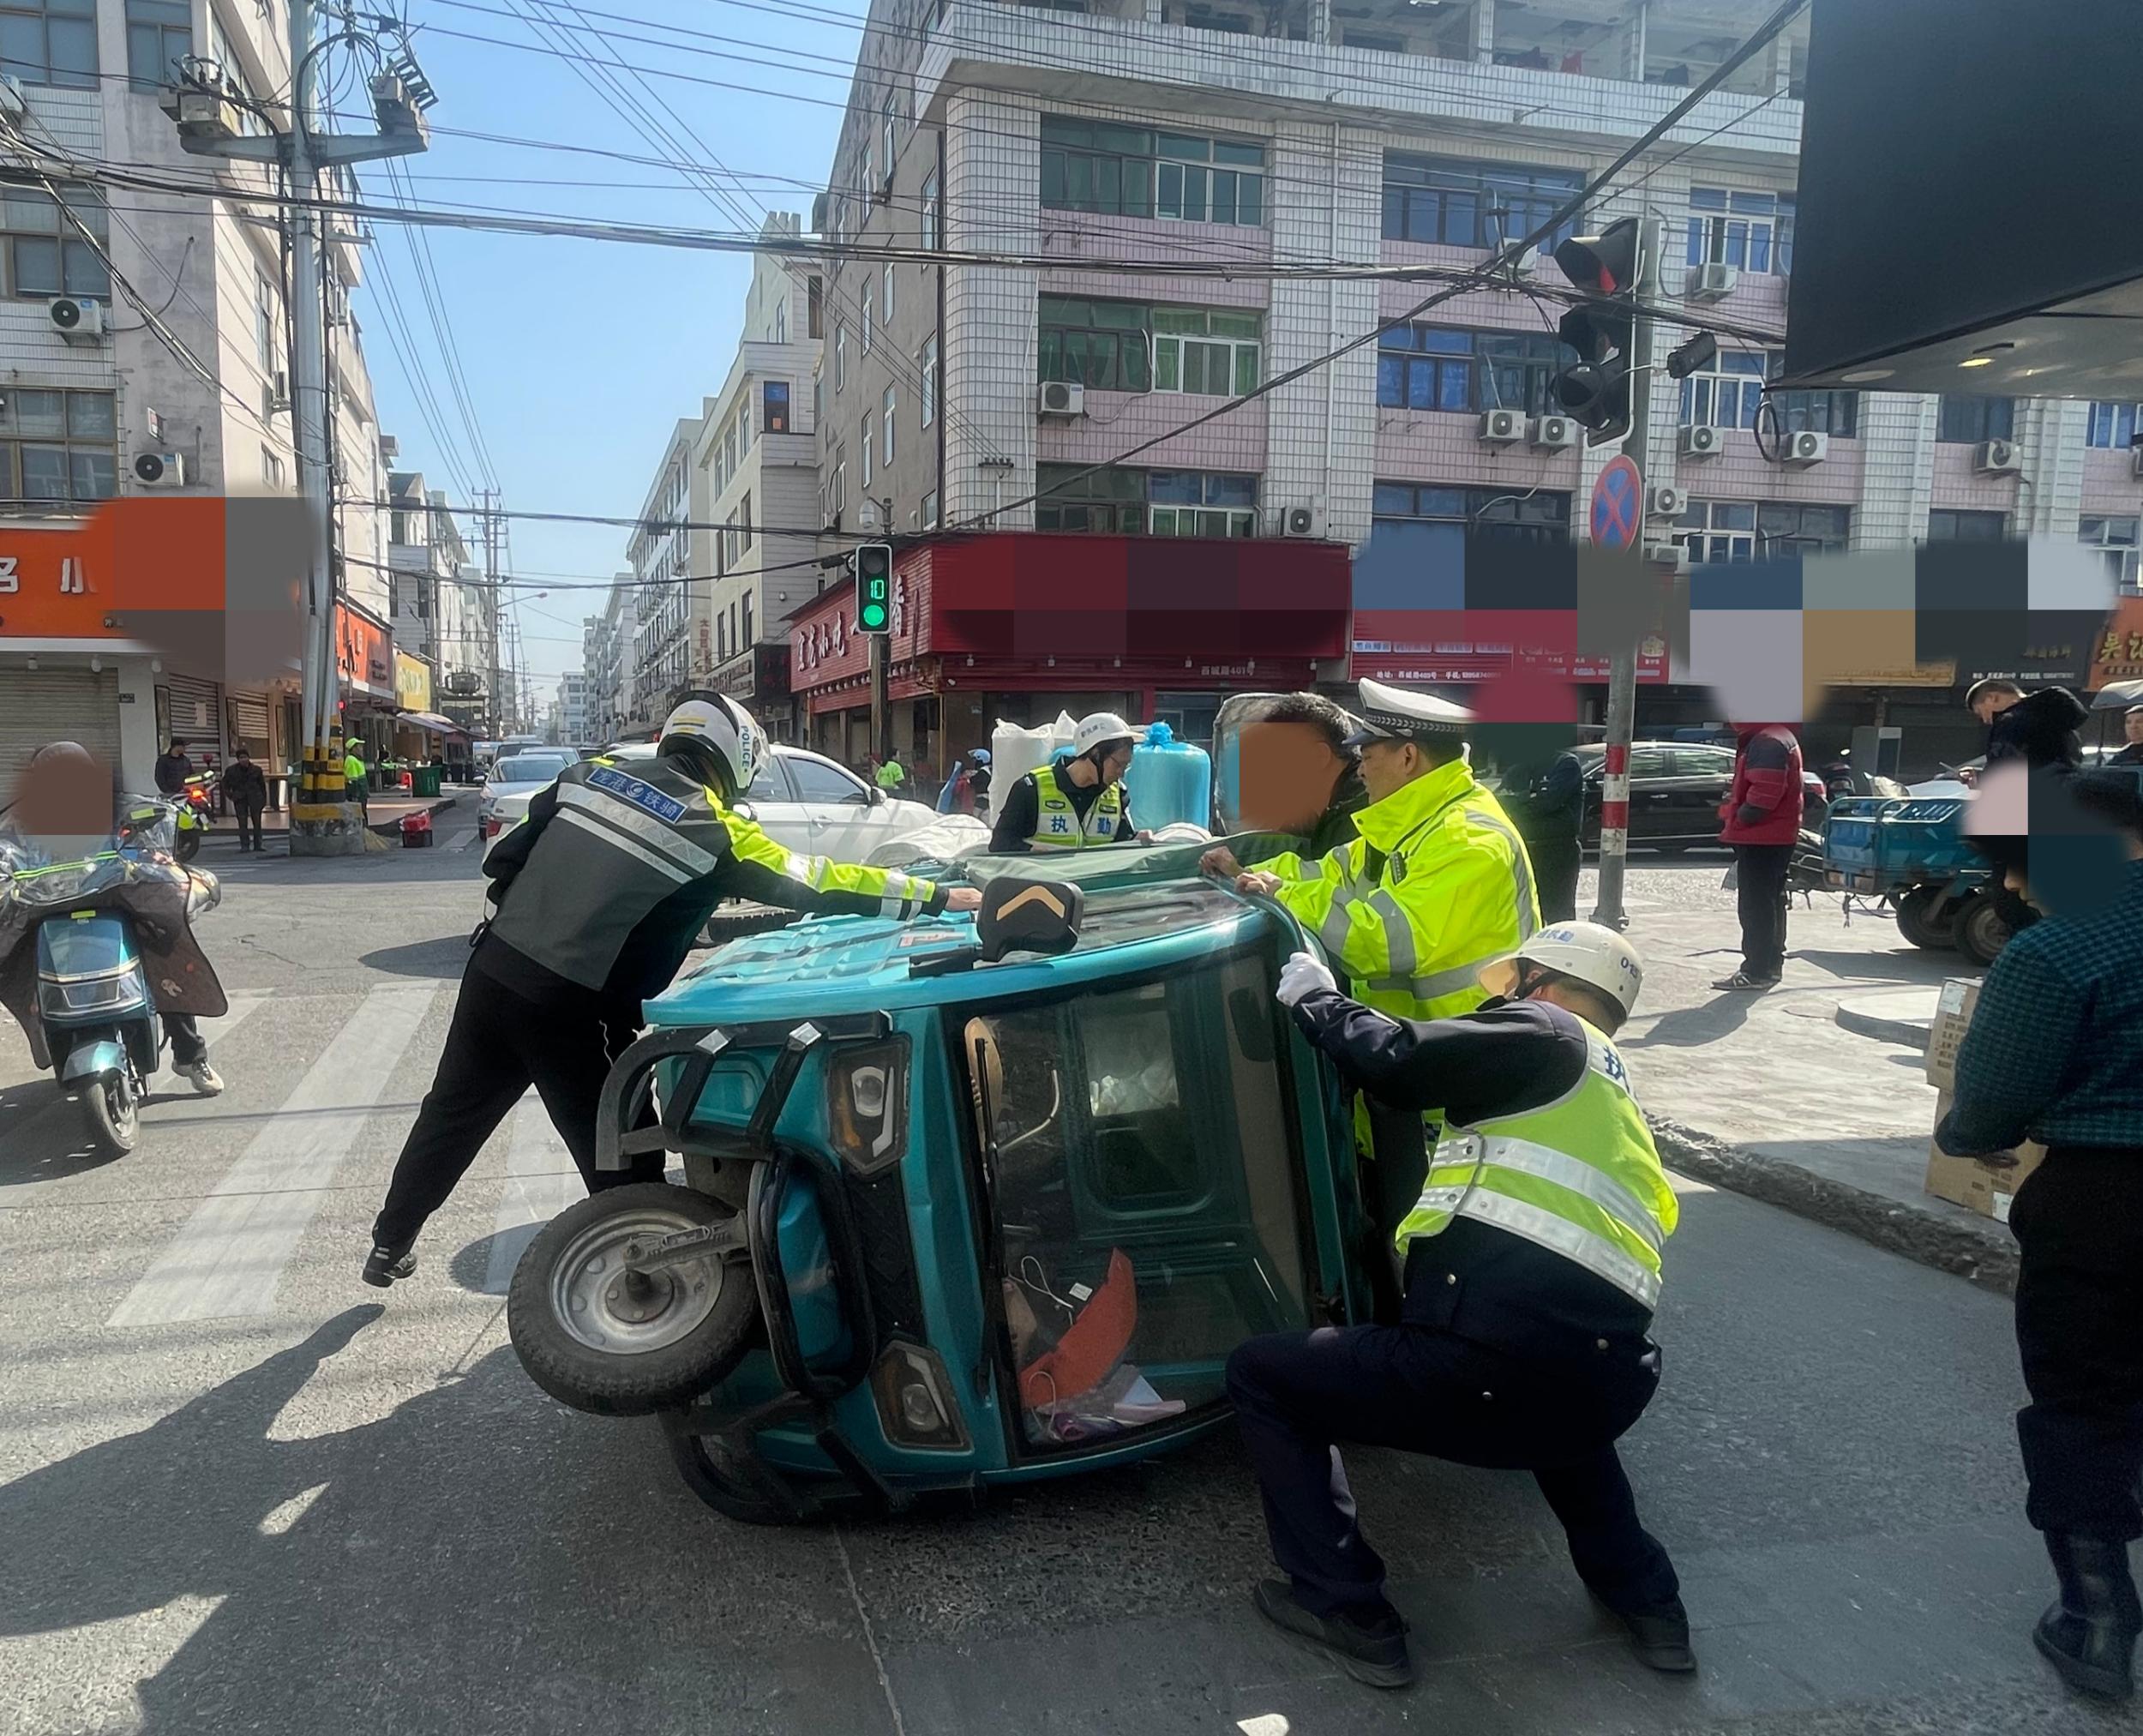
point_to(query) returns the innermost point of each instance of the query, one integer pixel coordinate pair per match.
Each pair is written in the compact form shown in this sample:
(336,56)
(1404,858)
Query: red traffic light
(1605,263)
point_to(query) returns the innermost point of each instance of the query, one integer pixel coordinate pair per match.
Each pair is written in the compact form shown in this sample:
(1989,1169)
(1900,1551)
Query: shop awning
(432,722)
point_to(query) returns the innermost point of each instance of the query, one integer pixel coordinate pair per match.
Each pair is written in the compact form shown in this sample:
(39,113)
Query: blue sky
(579,355)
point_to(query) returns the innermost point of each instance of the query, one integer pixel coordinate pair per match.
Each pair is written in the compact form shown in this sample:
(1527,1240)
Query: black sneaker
(1661,1640)
(1375,1653)
(383,1265)
(1742,979)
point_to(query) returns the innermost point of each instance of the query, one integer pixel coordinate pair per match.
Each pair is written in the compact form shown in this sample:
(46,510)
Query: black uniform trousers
(1555,864)
(1556,1413)
(1763,901)
(249,814)
(2079,1225)
(500,1043)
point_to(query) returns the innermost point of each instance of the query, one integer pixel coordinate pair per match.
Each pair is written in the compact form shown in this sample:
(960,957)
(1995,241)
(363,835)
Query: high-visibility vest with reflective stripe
(1056,824)
(1435,885)
(1579,1176)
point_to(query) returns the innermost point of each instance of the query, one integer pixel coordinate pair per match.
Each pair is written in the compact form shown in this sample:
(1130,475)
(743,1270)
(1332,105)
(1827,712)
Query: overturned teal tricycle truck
(965,1202)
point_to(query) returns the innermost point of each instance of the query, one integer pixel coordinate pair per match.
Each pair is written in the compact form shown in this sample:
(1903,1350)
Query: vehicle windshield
(1143,1164)
(529,768)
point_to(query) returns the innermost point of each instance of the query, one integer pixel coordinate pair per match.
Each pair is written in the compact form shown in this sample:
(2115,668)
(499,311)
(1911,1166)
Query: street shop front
(1018,625)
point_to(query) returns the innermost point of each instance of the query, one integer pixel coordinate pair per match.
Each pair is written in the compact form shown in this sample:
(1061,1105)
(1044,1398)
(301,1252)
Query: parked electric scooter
(77,940)
(190,821)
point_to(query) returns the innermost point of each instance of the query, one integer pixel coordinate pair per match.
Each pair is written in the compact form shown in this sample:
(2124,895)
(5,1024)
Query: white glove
(1302,974)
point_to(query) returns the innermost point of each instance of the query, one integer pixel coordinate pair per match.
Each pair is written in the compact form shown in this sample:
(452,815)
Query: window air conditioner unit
(1552,433)
(1501,427)
(1668,502)
(1301,521)
(12,101)
(1995,458)
(1807,447)
(1674,555)
(1709,281)
(74,318)
(160,470)
(2135,458)
(1060,398)
(1701,440)
(279,394)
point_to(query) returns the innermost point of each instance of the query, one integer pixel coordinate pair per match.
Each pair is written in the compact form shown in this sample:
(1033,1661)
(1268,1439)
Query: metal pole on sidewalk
(1621,670)
(309,399)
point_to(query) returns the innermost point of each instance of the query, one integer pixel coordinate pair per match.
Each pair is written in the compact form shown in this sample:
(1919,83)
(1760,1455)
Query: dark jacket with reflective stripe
(614,874)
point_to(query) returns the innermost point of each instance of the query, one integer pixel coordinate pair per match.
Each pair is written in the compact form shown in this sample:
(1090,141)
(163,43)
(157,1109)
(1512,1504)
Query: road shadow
(441,958)
(1917,968)
(1693,1027)
(43,1137)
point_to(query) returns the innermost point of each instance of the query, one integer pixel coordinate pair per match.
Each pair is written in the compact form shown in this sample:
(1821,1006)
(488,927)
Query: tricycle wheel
(614,1342)
(1982,929)
(731,1496)
(113,1113)
(1925,919)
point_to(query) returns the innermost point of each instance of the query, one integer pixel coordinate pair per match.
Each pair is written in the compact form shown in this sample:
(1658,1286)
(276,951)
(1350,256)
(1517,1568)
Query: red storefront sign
(364,653)
(120,575)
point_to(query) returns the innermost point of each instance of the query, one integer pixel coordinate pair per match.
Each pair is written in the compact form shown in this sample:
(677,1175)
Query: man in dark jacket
(246,786)
(172,768)
(2039,728)
(1762,816)
(600,894)
(1545,801)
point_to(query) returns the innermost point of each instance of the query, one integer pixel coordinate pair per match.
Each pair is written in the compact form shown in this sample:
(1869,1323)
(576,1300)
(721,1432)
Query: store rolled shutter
(197,716)
(251,716)
(60,704)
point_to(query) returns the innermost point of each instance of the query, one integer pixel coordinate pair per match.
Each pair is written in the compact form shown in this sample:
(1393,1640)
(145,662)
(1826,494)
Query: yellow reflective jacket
(1434,886)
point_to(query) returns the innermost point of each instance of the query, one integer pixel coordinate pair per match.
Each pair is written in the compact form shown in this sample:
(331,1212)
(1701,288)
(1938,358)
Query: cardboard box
(1974,1182)
(1953,1019)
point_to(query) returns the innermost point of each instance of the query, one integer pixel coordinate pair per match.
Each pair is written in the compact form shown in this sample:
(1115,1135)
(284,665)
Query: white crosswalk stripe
(541,1181)
(227,1258)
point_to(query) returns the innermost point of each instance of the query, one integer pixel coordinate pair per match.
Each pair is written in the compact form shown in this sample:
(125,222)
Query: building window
(46,254)
(1141,171)
(745,639)
(817,397)
(840,358)
(1724,395)
(1967,421)
(814,306)
(744,523)
(1719,531)
(870,449)
(1540,516)
(1471,204)
(837,491)
(781,319)
(1810,412)
(272,474)
(1722,531)
(1946,525)
(264,333)
(1215,354)
(930,213)
(929,372)
(160,34)
(1129,346)
(59,446)
(1430,368)
(1750,231)
(1132,502)
(886,293)
(867,293)
(885,136)
(773,397)
(51,41)
(886,426)
(2118,540)
(930,510)
(2113,425)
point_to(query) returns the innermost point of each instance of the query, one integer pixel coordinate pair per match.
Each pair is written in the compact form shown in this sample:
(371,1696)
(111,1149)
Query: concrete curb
(1986,1256)
(392,829)
(1905,1031)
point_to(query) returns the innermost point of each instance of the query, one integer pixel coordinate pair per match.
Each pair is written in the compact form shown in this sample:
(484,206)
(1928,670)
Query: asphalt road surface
(240,1492)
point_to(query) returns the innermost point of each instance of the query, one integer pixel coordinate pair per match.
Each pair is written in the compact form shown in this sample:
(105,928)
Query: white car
(803,801)
(513,780)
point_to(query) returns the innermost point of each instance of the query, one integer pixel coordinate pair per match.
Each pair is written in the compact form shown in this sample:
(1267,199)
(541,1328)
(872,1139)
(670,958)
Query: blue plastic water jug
(1169,781)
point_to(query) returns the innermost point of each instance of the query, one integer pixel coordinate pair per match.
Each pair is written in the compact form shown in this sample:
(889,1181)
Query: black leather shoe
(1371,1652)
(384,1265)
(2089,1633)
(1661,1640)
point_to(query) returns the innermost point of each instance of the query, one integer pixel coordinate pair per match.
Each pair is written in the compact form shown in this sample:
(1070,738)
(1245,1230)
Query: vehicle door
(837,804)
(772,802)
(1702,776)
(1651,794)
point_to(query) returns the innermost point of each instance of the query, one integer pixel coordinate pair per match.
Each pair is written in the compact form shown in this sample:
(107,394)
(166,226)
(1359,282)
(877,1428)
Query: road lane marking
(541,1181)
(227,1258)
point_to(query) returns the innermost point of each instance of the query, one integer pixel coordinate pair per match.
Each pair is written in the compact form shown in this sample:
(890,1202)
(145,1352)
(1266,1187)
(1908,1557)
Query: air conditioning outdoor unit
(1668,502)
(279,391)
(12,101)
(1672,555)
(1995,458)
(1552,433)
(1701,440)
(160,470)
(2135,458)
(1058,397)
(1502,427)
(1299,521)
(74,318)
(1807,447)
(1709,281)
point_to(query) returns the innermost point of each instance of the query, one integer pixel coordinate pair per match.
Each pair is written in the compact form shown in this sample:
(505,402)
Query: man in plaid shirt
(2056,1055)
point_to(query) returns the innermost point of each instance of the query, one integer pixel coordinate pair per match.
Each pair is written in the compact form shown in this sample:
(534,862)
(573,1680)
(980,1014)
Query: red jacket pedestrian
(1764,806)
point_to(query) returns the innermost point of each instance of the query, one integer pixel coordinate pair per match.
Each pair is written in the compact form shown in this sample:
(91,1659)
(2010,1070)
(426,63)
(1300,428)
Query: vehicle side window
(817,781)
(1702,762)
(1647,762)
(770,783)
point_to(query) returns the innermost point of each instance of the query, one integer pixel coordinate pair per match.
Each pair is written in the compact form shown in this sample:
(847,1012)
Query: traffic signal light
(1596,392)
(875,588)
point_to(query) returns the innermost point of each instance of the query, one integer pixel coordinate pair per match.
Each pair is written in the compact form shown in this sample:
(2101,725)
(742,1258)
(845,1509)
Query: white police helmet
(1595,956)
(726,730)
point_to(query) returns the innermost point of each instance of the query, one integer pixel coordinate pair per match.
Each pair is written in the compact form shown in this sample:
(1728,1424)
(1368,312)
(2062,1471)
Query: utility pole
(209,125)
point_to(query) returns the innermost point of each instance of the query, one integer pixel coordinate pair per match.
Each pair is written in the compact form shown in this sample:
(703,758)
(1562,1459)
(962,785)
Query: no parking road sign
(1619,503)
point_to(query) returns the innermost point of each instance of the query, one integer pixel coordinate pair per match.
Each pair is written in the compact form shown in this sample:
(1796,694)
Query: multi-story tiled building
(607,645)
(1134,144)
(673,636)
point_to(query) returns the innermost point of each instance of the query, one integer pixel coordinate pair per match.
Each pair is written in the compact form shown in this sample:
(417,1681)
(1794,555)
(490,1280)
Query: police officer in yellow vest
(1435,884)
(1531,1271)
(1077,802)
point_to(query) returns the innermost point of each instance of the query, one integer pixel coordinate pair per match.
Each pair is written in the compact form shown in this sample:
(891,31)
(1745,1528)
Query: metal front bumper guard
(622,1132)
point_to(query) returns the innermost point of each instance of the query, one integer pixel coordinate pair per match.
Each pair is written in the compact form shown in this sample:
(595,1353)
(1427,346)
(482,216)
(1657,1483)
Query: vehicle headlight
(914,1396)
(867,1105)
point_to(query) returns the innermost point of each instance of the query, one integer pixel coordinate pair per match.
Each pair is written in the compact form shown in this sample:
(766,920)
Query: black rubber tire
(113,1127)
(731,1498)
(626,1383)
(1982,929)
(1919,923)
(186,846)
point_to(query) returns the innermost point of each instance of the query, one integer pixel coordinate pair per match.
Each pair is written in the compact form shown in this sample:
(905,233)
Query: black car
(1675,790)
